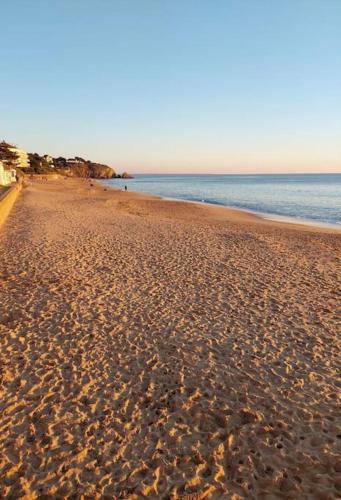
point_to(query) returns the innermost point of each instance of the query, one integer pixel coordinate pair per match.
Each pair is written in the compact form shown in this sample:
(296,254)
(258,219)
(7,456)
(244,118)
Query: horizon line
(235,173)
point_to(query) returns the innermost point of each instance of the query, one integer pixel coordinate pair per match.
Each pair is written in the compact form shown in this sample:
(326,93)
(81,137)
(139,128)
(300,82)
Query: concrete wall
(7,201)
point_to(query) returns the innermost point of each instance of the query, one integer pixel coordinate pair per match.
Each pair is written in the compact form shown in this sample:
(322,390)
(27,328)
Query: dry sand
(165,350)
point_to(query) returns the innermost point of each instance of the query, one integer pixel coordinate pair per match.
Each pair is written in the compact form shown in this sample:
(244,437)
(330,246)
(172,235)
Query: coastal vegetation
(74,167)
(70,167)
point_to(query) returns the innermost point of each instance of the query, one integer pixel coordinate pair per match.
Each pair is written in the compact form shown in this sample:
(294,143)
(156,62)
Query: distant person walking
(125,188)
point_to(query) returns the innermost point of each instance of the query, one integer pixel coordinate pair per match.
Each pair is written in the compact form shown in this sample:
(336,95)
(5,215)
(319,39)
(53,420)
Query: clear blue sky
(175,85)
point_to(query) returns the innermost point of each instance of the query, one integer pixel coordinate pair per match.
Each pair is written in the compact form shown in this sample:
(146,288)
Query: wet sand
(165,350)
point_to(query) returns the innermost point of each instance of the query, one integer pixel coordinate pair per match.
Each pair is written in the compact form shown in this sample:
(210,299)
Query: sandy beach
(163,349)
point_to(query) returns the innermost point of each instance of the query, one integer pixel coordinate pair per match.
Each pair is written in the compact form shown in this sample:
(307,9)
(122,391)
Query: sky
(183,86)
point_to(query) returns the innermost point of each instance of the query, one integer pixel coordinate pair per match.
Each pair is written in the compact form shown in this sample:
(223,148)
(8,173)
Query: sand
(165,350)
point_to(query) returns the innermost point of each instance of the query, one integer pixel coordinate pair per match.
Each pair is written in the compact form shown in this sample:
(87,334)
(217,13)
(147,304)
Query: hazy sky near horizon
(213,86)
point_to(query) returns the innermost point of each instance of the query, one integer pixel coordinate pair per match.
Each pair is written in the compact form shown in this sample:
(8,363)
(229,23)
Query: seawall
(7,201)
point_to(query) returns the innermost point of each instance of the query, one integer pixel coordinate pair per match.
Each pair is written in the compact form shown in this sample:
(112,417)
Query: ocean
(305,198)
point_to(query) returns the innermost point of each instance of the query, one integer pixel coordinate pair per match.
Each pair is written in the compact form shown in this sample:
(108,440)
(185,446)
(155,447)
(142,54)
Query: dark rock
(125,175)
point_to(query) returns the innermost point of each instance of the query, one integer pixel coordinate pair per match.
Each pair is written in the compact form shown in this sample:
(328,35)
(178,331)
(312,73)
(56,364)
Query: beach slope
(160,349)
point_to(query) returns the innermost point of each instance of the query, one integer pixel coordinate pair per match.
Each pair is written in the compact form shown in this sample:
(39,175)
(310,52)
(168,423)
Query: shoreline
(267,216)
(292,221)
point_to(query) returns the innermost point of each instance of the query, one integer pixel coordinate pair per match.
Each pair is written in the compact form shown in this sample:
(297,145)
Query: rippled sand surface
(165,350)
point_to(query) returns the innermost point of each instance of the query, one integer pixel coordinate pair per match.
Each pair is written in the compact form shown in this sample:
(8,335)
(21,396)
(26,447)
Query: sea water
(314,198)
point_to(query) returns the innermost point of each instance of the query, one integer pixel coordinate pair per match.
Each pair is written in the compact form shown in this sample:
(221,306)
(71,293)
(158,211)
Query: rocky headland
(72,167)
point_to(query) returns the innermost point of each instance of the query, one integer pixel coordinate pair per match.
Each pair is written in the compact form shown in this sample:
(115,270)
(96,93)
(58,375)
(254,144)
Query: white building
(7,175)
(74,161)
(23,160)
(48,158)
